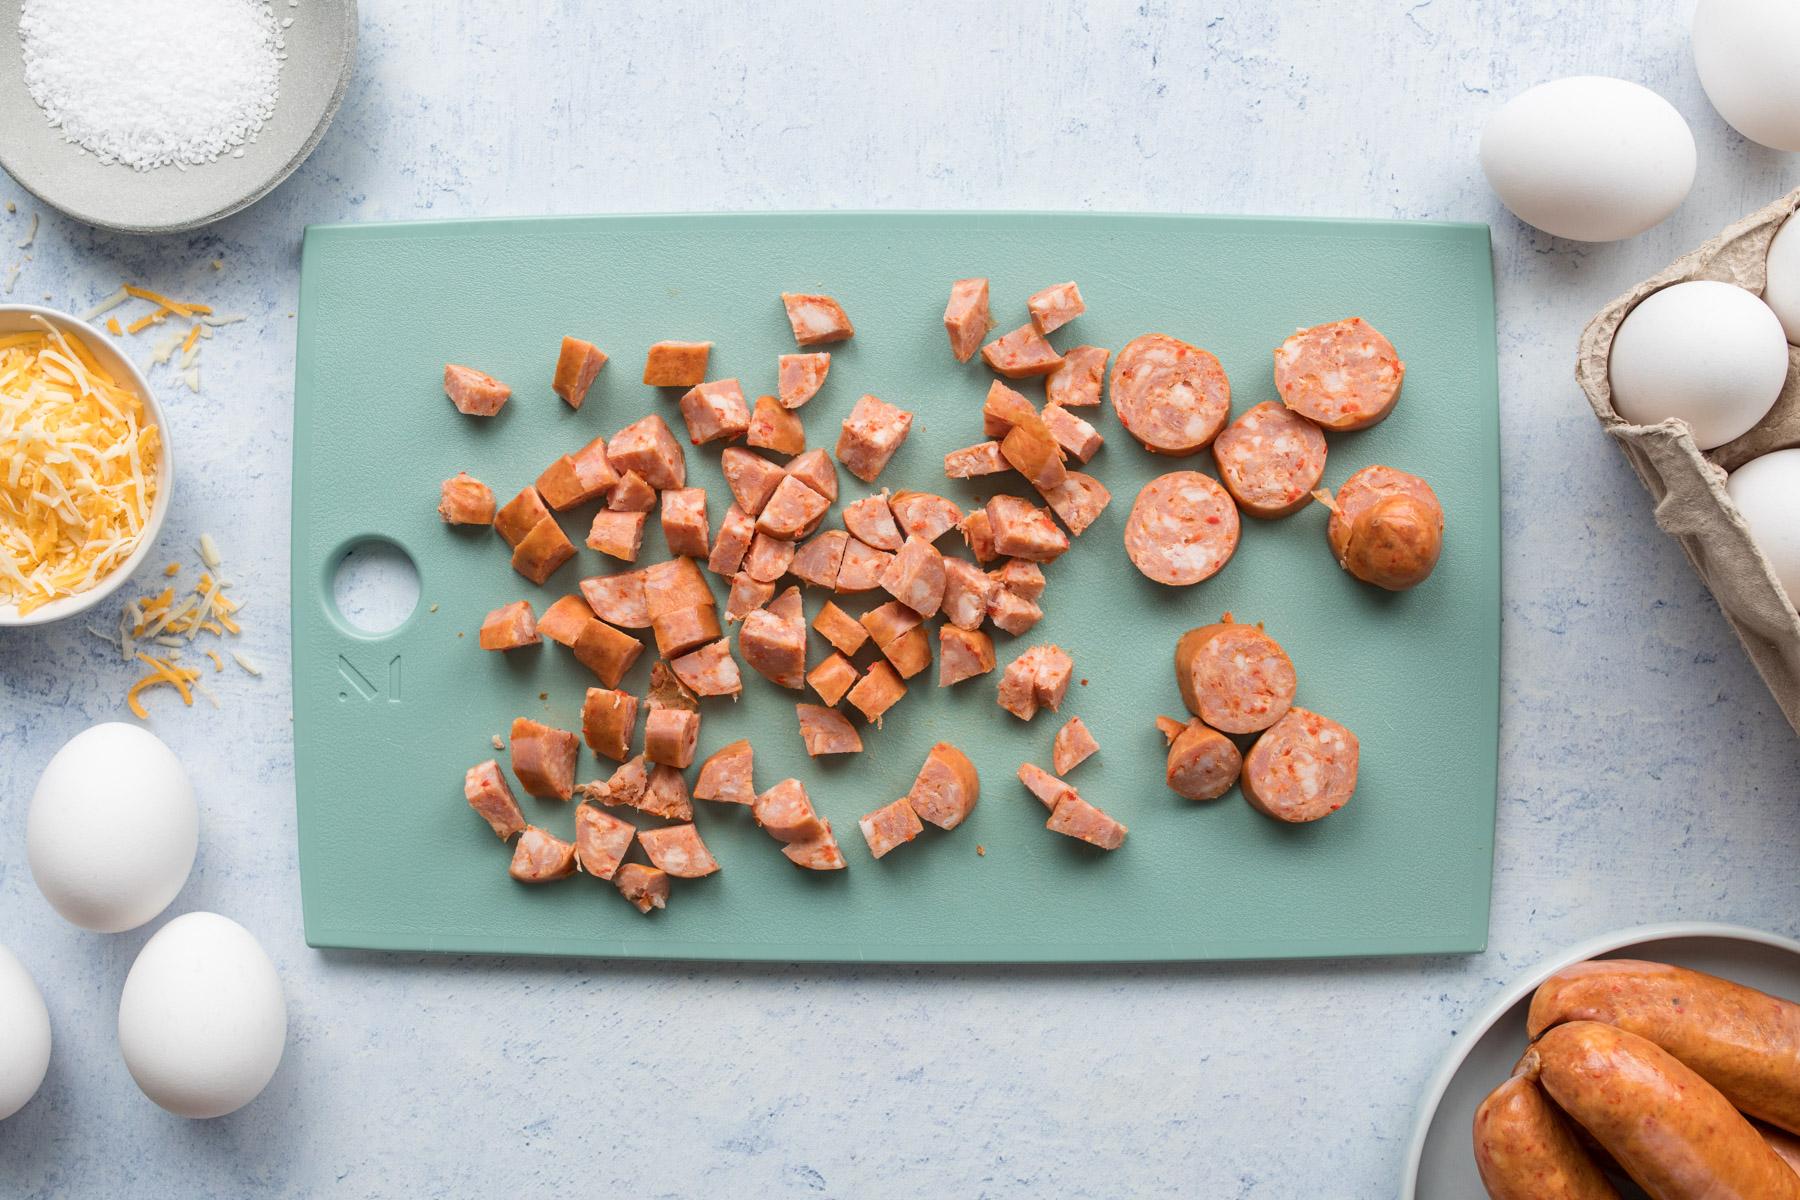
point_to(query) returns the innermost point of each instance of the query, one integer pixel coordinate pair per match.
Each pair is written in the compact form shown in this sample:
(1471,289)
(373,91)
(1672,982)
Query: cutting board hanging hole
(375,586)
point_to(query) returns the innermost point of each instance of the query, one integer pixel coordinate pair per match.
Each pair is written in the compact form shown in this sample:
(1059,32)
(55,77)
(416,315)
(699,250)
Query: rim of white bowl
(127,372)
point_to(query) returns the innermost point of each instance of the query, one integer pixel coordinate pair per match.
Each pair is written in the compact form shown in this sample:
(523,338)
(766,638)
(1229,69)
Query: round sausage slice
(1302,769)
(1343,375)
(1270,459)
(1386,528)
(1171,396)
(1183,527)
(1203,763)
(1234,677)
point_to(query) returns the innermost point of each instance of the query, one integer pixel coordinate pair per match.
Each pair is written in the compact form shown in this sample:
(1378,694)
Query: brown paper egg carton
(1688,484)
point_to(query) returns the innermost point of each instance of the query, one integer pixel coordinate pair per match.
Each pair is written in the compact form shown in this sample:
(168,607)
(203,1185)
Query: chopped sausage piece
(625,788)
(915,577)
(825,731)
(832,678)
(541,857)
(1076,818)
(1182,529)
(769,558)
(814,469)
(618,599)
(872,433)
(678,851)
(879,689)
(715,412)
(819,854)
(816,319)
(1073,746)
(1055,307)
(674,585)
(747,595)
(1018,575)
(667,690)
(542,551)
(983,458)
(819,559)
(1022,530)
(666,795)
(978,534)
(1234,677)
(509,627)
(488,793)
(735,532)
(1038,677)
(564,621)
(475,394)
(966,317)
(1302,768)
(889,623)
(671,736)
(801,376)
(963,654)
(862,567)
(872,521)
(789,607)
(607,652)
(601,841)
(726,774)
(1012,612)
(1077,383)
(1030,449)
(520,516)
(785,812)
(1021,354)
(676,364)
(751,478)
(1203,763)
(1003,409)
(543,758)
(774,647)
(645,887)
(649,448)
(577,365)
(1270,460)
(1073,434)
(1172,397)
(1343,375)
(841,629)
(924,515)
(617,535)
(608,717)
(465,500)
(947,787)
(1386,528)
(773,427)
(631,494)
(710,670)
(789,512)
(1079,501)
(889,826)
(1046,787)
(967,590)
(683,630)
(684,522)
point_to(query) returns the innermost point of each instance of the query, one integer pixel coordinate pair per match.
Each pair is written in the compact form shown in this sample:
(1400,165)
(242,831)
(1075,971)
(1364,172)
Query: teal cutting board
(391,857)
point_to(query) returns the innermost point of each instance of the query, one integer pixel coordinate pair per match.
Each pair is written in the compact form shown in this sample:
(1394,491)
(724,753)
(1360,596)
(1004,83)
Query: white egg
(1782,292)
(113,828)
(24,1035)
(1589,158)
(1766,491)
(1709,353)
(202,1021)
(1747,53)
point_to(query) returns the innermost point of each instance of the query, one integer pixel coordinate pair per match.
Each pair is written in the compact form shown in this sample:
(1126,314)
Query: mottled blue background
(1646,775)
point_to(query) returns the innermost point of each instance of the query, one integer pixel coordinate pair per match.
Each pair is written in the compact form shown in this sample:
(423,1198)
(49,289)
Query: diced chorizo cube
(819,854)
(983,458)
(474,393)
(872,521)
(710,670)
(1077,383)
(645,887)
(673,585)
(1055,307)
(564,621)
(715,412)
(790,608)
(774,647)
(1079,501)
(465,500)
(872,433)
(676,364)
(735,532)
(818,560)
(1073,434)
(966,592)
(624,789)
(886,623)
(963,654)
(801,376)
(1031,450)
(667,689)
(840,629)
(509,627)
(1021,354)
(542,551)
(1046,787)
(726,774)
(1022,530)
(520,516)
(879,689)
(608,717)
(785,812)
(862,567)
(666,795)
(832,678)
(541,857)
(915,577)
(684,522)
(910,653)
(773,427)
(792,508)
(678,851)
(685,629)
(924,515)
(618,535)
(946,788)
(1040,676)
(649,447)
(1003,409)
(889,826)
(601,841)
(814,469)
(751,478)
(618,599)
(816,320)
(631,494)
(966,317)
(1012,612)
(1076,818)
(747,595)
(607,652)
(671,736)
(577,365)
(1020,576)
(769,557)
(488,793)
(543,758)
(1018,690)
(978,534)
(825,731)
(1073,746)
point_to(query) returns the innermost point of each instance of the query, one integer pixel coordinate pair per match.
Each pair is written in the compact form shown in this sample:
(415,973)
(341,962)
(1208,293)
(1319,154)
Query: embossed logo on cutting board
(362,685)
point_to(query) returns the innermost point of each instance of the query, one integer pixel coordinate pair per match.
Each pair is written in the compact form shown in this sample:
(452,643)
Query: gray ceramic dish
(321,49)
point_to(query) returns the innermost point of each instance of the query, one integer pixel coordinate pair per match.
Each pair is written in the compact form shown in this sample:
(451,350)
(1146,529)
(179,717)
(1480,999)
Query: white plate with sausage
(1440,1163)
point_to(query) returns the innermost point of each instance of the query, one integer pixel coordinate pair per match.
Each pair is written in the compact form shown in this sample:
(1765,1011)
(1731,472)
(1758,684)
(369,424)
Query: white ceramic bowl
(17,318)
(1440,1161)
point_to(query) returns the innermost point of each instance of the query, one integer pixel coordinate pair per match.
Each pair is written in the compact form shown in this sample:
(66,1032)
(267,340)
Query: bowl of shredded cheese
(85,469)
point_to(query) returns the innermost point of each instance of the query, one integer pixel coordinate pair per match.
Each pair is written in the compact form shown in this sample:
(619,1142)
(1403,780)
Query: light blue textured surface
(1646,775)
